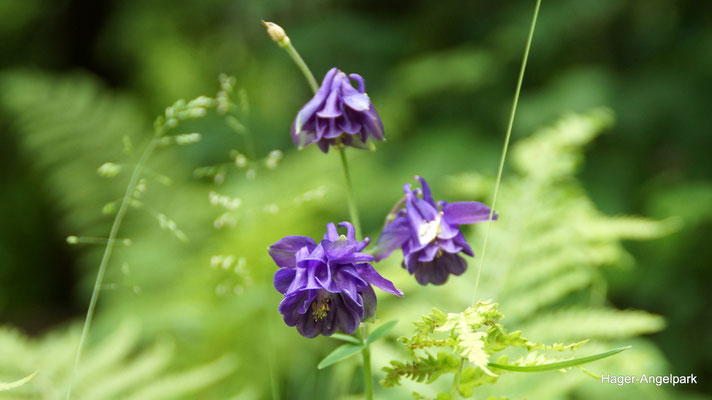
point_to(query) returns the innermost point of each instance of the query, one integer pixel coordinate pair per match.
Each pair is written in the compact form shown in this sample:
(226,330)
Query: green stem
(287,45)
(274,385)
(507,138)
(456,381)
(366,354)
(301,64)
(350,195)
(133,181)
(394,212)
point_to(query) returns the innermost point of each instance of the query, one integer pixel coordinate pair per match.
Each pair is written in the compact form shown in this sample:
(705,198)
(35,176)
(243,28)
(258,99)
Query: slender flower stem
(394,211)
(350,195)
(366,354)
(274,385)
(506,144)
(455,392)
(133,181)
(286,44)
(368,380)
(283,41)
(301,64)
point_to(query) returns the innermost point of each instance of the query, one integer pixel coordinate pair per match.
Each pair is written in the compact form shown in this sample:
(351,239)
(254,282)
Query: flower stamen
(320,308)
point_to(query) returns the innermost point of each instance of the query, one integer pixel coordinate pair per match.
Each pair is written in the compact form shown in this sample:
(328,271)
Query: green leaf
(346,338)
(18,383)
(340,353)
(558,365)
(381,331)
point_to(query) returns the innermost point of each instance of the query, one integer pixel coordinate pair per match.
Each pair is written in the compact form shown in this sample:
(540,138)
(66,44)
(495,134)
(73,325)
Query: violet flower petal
(284,250)
(466,212)
(283,278)
(371,276)
(393,236)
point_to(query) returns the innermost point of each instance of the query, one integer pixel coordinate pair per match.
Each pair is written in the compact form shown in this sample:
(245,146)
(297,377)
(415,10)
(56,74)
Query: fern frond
(552,238)
(548,292)
(427,368)
(183,383)
(117,367)
(473,335)
(473,377)
(545,251)
(70,122)
(602,323)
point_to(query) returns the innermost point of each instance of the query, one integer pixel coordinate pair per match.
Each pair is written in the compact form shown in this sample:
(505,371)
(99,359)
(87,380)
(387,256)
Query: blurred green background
(77,76)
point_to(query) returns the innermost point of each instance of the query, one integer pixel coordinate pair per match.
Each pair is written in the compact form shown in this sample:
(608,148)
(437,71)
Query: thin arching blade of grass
(340,353)
(557,365)
(17,383)
(381,331)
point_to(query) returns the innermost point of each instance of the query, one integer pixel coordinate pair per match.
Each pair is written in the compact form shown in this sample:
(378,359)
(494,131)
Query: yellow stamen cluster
(320,308)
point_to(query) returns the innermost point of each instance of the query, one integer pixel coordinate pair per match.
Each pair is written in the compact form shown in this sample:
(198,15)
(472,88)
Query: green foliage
(542,365)
(646,59)
(120,366)
(381,331)
(596,323)
(340,353)
(184,290)
(426,368)
(544,268)
(347,350)
(555,238)
(80,118)
(473,336)
(166,303)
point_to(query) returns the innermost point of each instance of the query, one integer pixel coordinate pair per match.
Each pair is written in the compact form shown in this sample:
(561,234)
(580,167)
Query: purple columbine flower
(326,286)
(338,114)
(430,236)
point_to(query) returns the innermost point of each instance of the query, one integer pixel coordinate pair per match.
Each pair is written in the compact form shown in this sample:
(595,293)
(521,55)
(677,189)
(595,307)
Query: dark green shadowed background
(77,75)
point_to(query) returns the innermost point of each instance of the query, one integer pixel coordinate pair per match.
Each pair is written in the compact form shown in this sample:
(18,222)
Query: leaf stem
(133,181)
(507,138)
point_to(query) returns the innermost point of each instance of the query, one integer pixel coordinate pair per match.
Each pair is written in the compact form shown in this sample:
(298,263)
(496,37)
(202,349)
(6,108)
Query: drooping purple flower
(326,286)
(338,114)
(429,235)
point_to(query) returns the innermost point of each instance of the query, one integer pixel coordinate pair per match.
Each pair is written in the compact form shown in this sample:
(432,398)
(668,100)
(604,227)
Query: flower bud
(276,33)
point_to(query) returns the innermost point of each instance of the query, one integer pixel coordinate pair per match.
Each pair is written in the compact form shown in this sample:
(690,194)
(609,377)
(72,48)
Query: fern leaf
(427,368)
(115,368)
(186,382)
(609,324)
